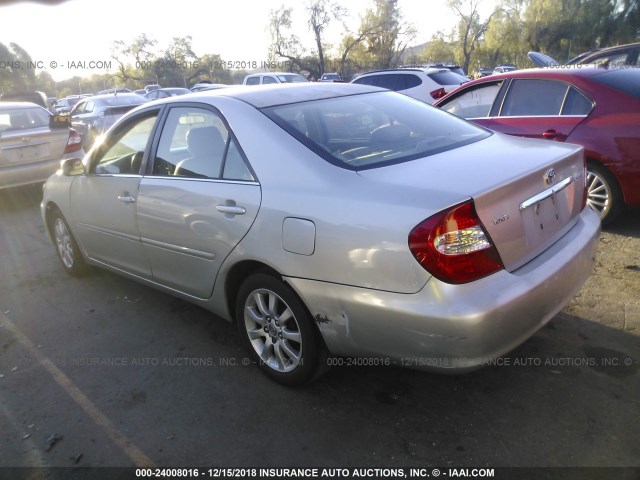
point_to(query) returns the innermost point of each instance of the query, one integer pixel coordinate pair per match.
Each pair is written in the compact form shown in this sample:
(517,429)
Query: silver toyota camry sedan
(333,219)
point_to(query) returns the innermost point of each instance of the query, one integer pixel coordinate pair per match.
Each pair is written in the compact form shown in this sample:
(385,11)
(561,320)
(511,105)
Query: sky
(69,37)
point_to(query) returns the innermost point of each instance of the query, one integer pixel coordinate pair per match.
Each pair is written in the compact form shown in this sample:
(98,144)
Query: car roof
(112,95)
(282,94)
(406,69)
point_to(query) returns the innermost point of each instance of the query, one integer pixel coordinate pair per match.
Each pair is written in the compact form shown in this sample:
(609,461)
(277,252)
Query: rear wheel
(277,329)
(66,246)
(603,193)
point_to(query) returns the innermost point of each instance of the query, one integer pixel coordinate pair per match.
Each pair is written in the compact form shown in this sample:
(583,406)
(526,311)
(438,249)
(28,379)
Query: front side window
(266,80)
(195,143)
(374,129)
(122,152)
(474,102)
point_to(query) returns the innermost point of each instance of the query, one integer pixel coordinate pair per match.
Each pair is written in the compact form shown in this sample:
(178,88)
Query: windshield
(373,130)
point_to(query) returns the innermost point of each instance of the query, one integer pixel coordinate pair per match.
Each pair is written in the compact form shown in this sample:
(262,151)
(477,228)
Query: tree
(286,45)
(388,35)
(470,28)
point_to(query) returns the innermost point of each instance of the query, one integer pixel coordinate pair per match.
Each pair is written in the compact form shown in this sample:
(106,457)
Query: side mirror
(72,166)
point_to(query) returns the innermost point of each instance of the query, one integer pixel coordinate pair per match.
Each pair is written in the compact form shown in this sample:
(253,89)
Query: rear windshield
(23,118)
(373,130)
(446,78)
(626,80)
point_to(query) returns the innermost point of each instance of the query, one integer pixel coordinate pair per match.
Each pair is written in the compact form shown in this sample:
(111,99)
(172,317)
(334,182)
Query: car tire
(603,193)
(277,329)
(68,251)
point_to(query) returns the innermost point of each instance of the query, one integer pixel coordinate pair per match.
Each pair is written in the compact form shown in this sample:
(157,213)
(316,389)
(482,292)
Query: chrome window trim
(208,180)
(549,192)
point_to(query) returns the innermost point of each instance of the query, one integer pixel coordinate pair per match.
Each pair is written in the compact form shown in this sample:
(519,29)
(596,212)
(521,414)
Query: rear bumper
(454,327)
(18,175)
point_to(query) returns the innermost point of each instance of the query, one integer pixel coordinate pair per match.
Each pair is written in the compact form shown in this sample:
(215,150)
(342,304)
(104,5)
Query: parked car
(32,143)
(330,77)
(92,116)
(452,67)
(506,67)
(149,88)
(333,217)
(206,85)
(618,56)
(198,87)
(114,90)
(593,107)
(165,92)
(482,72)
(273,77)
(425,84)
(66,104)
(37,97)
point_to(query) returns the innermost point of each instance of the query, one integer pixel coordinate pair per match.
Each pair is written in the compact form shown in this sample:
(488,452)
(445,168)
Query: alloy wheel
(273,330)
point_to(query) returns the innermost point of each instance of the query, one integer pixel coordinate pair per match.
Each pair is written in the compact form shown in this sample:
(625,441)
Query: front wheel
(66,246)
(277,329)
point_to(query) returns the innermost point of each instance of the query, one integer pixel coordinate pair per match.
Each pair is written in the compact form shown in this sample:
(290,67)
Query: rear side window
(195,143)
(534,97)
(253,81)
(266,80)
(445,78)
(576,103)
(626,80)
(373,130)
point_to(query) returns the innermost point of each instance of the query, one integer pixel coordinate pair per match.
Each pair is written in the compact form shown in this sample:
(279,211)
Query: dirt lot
(127,376)
(612,295)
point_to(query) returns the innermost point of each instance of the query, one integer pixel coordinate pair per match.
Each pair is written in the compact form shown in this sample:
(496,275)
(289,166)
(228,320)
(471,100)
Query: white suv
(273,77)
(426,84)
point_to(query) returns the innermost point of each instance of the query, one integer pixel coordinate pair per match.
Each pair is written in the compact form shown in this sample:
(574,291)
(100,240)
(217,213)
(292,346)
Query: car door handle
(232,209)
(550,134)
(126,198)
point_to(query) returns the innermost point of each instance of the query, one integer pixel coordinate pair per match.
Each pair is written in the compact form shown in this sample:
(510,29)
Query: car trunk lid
(24,146)
(527,193)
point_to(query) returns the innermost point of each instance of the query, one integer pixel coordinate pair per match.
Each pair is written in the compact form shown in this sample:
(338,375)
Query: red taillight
(439,93)
(74,143)
(454,247)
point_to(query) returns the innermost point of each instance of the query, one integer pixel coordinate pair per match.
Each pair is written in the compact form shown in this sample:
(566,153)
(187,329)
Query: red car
(597,108)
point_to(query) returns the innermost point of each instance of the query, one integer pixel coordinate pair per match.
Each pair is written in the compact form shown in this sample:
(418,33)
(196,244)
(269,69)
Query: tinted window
(445,78)
(372,130)
(576,103)
(253,81)
(392,81)
(195,143)
(533,97)
(266,80)
(626,80)
(474,102)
